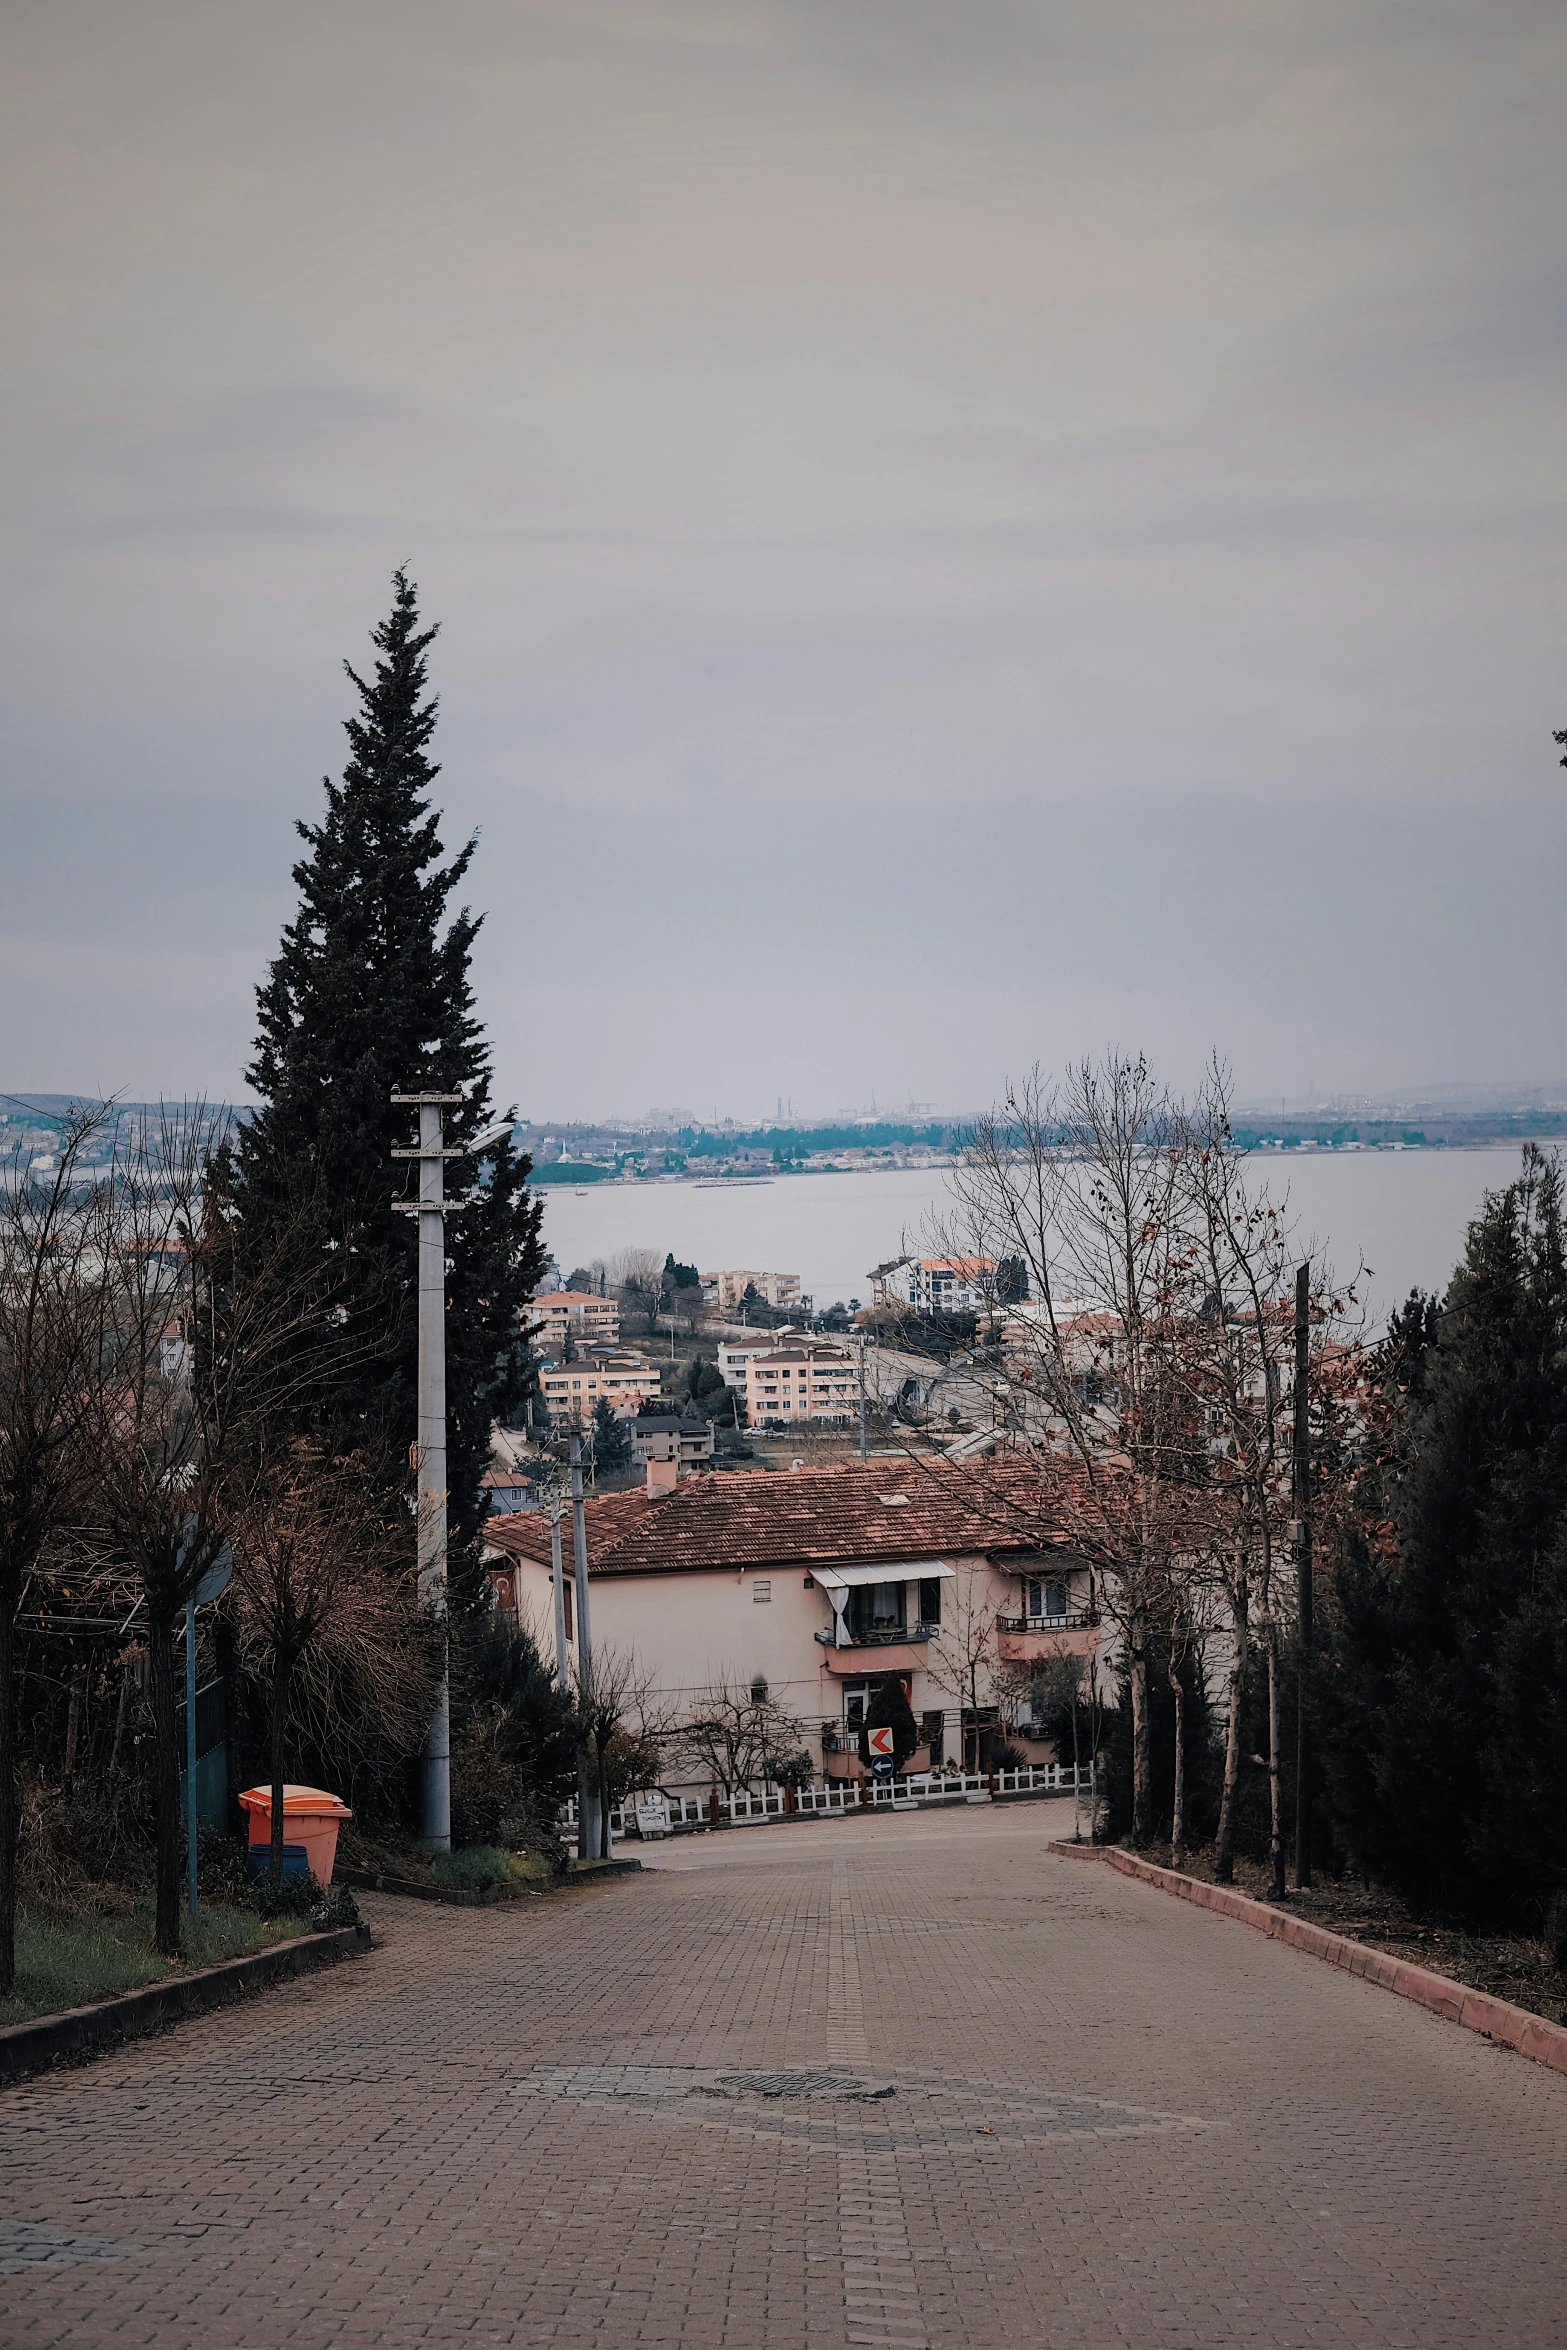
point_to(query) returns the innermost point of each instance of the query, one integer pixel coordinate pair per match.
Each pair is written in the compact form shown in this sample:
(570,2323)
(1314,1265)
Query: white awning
(846,1578)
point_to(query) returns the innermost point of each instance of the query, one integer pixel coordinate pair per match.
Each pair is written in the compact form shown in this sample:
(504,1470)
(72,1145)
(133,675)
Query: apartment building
(805,1379)
(576,1314)
(935,1285)
(734,1354)
(625,1381)
(779,1290)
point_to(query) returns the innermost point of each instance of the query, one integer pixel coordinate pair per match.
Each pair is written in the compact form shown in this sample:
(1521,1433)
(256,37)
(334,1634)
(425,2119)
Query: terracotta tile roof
(885,1509)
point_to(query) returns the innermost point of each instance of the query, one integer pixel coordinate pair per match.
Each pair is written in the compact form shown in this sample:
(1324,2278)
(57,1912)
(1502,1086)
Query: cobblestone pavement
(898,2081)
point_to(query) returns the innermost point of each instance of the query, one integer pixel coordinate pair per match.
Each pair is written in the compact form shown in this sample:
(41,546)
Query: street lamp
(431,1208)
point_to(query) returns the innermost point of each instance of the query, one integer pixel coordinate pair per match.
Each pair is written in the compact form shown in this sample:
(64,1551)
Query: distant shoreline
(749,1179)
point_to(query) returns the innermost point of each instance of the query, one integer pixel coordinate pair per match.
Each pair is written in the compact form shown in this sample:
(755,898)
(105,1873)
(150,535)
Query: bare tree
(737,1733)
(326,1579)
(51,1304)
(1239,1358)
(637,1277)
(626,1724)
(204,1351)
(1063,1679)
(962,1657)
(1073,1188)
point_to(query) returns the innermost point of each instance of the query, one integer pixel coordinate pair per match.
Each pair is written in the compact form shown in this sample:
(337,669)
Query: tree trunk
(1077,1781)
(8,1800)
(1224,1842)
(121,1716)
(606,1844)
(281,1678)
(1275,1787)
(1178,1810)
(1142,1752)
(165,1782)
(73,1729)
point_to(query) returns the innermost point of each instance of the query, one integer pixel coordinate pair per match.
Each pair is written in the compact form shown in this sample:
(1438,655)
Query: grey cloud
(1051,514)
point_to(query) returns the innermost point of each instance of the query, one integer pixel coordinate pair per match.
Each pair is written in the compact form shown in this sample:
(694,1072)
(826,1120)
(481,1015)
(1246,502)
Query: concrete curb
(476,1896)
(1457,2003)
(417,1889)
(85,2031)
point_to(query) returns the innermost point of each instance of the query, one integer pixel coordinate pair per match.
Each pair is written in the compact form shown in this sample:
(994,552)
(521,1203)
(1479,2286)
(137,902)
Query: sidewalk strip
(82,2031)
(1457,2003)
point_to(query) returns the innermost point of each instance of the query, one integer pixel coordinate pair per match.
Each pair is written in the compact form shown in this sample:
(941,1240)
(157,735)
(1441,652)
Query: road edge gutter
(1457,2003)
(87,2031)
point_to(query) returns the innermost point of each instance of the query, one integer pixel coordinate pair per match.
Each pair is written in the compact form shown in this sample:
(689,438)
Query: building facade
(577,1314)
(935,1285)
(625,1381)
(818,1586)
(803,1380)
(779,1290)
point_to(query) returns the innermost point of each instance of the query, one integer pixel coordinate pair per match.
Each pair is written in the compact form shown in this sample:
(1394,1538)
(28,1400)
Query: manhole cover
(837,2085)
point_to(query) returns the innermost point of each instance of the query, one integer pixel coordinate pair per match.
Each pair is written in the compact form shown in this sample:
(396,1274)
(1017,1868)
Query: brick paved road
(649,2113)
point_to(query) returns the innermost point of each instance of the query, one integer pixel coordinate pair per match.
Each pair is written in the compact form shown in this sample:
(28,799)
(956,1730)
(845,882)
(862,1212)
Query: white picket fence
(687,1812)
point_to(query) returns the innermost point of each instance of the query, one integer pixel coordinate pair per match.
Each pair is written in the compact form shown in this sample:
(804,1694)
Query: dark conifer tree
(1443,1684)
(369,995)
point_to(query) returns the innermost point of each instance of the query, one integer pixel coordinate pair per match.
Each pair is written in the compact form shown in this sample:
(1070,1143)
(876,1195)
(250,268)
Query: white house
(819,1584)
(935,1285)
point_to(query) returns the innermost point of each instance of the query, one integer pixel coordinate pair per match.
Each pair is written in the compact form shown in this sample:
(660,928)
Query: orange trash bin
(310,1823)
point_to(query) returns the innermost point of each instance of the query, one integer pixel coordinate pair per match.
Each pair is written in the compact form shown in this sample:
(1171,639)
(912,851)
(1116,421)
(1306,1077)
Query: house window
(930,1599)
(761,1590)
(1047,1598)
(856,1697)
(876,1608)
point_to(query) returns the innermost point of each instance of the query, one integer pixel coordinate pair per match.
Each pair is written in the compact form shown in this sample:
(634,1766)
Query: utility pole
(431,1208)
(435,1807)
(587,1810)
(558,1586)
(1302,1478)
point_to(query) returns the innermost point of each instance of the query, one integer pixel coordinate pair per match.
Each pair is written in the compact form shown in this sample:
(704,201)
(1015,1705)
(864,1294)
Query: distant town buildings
(735,1353)
(779,1290)
(805,1379)
(575,1314)
(934,1285)
(572,1390)
(680,1441)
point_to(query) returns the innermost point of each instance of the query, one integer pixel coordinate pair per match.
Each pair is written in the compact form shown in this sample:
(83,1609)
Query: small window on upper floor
(761,1589)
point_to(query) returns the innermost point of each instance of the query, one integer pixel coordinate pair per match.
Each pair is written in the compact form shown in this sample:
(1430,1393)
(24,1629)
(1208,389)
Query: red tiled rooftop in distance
(808,1516)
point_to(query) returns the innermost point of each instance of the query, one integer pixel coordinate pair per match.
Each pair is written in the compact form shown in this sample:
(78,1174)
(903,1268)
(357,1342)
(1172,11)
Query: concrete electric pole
(1303,1568)
(431,1207)
(592,1833)
(558,1591)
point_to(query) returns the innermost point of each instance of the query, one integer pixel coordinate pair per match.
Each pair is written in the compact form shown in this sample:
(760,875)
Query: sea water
(1400,1214)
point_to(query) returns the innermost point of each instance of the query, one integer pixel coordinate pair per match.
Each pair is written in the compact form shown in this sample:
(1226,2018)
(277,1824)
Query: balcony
(1023,1639)
(901,1648)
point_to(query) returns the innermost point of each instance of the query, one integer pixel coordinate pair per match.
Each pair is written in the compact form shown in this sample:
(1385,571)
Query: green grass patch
(75,1962)
(477,1866)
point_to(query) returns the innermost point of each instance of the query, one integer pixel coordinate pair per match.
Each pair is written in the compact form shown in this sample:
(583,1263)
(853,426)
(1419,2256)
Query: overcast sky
(964,530)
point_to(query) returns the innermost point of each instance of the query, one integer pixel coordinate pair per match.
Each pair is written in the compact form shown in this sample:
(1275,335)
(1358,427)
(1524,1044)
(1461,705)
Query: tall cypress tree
(370,995)
(1443,1687)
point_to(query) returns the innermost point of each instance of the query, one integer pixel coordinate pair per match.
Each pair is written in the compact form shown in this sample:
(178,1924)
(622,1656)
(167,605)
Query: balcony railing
(1081,1621)
(899,1636)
